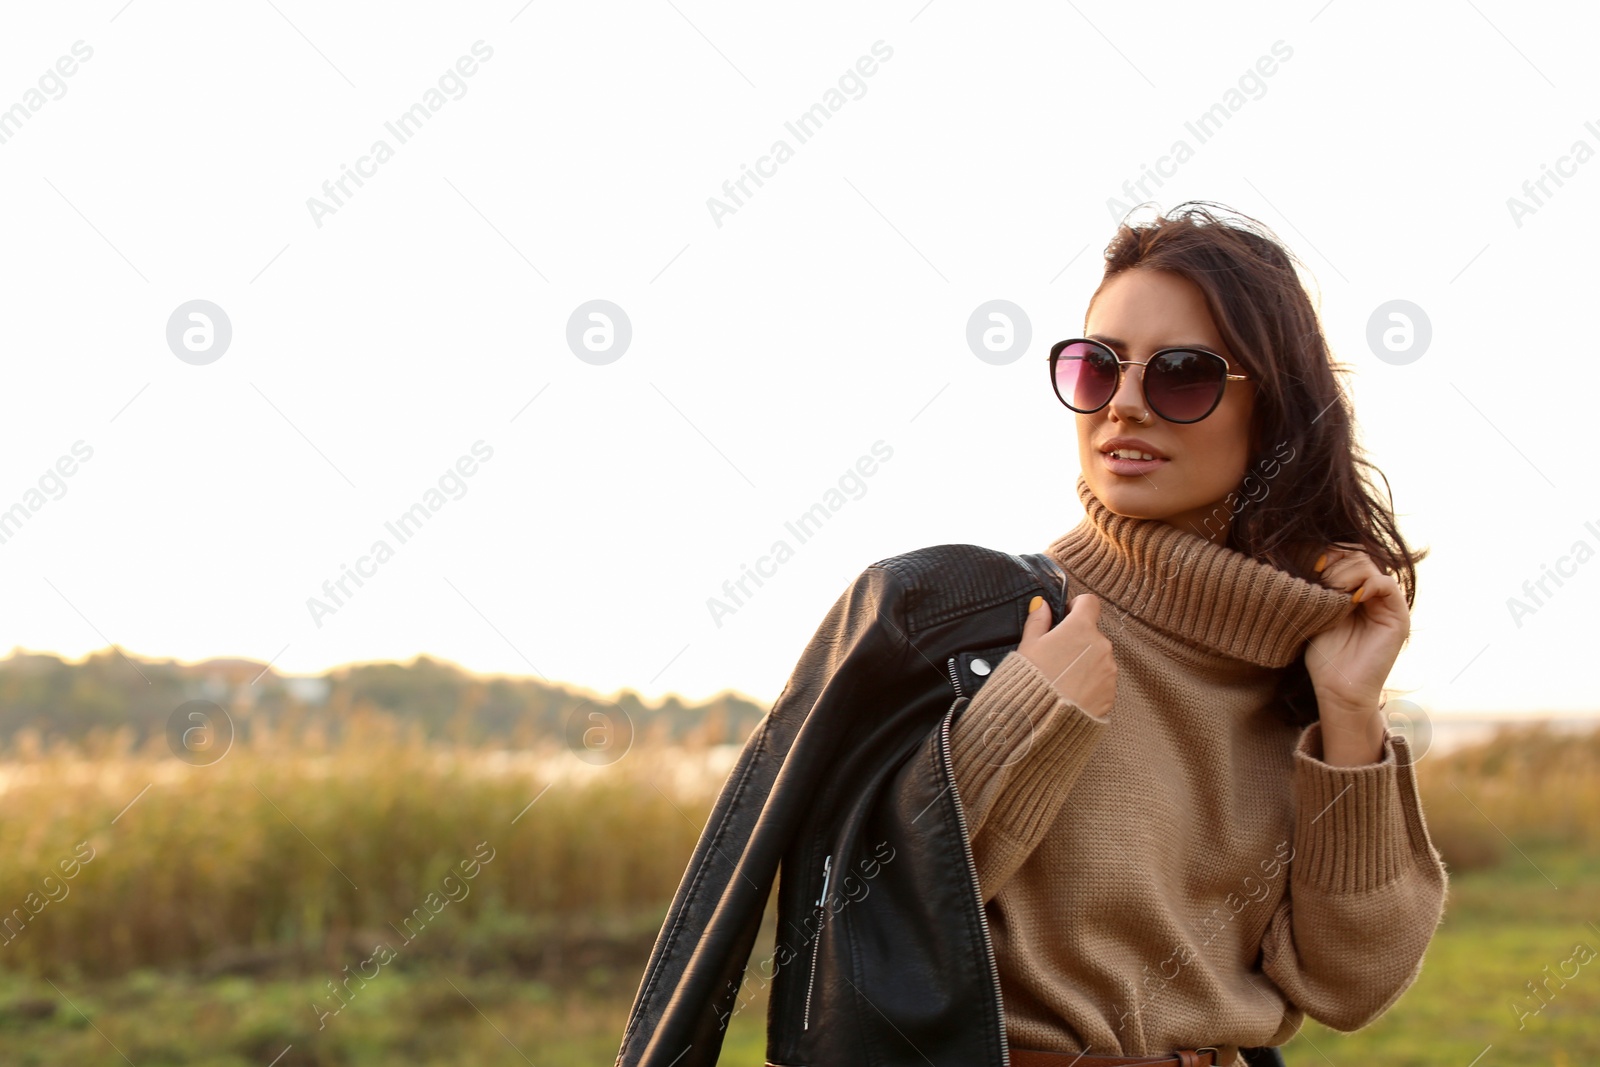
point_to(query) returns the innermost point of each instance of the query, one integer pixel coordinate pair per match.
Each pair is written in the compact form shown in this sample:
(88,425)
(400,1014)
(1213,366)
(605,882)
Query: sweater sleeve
(1017,748)
(1366,889)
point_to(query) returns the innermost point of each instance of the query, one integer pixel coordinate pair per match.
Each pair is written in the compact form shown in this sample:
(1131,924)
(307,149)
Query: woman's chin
(1134,498)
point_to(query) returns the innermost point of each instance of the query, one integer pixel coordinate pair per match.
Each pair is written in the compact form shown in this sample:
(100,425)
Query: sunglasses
(1180,384)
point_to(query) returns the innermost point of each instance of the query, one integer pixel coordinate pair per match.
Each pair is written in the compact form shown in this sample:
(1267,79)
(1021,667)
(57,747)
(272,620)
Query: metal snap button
(980,667)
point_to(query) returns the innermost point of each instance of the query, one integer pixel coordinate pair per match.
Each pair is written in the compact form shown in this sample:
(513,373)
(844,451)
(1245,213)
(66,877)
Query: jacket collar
(1205,594)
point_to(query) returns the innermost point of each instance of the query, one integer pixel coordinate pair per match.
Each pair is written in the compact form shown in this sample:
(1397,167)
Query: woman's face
(1137,313)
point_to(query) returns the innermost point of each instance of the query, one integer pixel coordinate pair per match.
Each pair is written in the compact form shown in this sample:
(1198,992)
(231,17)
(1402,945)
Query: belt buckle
(1211,1049)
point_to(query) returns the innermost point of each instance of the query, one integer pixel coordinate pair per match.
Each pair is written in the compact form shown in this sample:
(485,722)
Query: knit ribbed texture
(1195,591)
(1028,756)
(1188,871)
(1342,804)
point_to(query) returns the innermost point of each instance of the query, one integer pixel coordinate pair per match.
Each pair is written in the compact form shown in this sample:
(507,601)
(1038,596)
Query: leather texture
(882,955)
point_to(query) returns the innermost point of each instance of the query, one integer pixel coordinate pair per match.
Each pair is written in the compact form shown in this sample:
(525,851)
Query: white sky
(829,312)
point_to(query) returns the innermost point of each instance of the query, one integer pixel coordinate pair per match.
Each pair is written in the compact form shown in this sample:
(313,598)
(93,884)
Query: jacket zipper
(972,872)
(816,945)
(955,677)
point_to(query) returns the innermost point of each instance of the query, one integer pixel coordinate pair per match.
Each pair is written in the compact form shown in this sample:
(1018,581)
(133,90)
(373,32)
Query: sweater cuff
(1017,749)
(1353,823)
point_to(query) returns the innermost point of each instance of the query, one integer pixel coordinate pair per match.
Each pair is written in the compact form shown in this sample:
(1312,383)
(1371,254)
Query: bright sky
(377,337)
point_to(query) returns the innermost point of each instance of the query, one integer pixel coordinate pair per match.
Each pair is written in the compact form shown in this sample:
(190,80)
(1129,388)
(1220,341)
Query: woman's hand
(1075,655)
(1350,662)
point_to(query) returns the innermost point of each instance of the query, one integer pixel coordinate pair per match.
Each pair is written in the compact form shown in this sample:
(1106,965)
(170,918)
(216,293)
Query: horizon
(657,701)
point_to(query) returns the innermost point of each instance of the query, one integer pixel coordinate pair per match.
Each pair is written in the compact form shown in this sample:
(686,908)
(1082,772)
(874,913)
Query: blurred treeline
(110,691)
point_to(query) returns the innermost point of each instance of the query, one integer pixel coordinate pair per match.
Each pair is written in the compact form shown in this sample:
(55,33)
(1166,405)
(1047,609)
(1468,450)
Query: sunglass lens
(1085,376)
(1184,386)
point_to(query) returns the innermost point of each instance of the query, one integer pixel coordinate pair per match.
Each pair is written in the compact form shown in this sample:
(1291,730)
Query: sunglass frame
(1222,382)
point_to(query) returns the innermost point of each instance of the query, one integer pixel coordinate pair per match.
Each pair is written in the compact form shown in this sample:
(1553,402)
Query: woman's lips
(1131,467)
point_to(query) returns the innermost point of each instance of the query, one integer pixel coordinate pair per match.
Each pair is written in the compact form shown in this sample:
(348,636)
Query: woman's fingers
(1073,654)
(1378,597)
(1351,570)
(1379,585)
(1334,553)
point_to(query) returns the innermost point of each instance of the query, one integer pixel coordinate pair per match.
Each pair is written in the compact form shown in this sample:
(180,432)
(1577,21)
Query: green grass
(434,1019)
(1501,928)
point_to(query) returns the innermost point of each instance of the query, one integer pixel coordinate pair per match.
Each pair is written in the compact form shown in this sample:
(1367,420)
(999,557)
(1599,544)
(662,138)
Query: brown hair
(1321,493)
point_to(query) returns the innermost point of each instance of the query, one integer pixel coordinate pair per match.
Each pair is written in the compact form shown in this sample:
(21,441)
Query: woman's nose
(1128,402)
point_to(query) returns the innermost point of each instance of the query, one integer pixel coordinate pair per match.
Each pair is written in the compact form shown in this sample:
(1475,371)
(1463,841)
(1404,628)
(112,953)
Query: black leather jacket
(883,955)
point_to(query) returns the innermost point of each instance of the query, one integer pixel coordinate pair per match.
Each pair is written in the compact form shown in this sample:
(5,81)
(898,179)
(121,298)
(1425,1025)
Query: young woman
(1191,825)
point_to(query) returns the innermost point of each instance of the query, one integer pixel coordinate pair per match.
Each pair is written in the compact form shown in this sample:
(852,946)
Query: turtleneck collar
(1199,592)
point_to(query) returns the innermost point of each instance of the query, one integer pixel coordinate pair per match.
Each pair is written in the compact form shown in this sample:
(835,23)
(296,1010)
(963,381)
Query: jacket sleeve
(1366,887)
(1017,748)
(691,983)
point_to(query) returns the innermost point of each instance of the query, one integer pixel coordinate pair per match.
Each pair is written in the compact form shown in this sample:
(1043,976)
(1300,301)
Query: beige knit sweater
(1187,871)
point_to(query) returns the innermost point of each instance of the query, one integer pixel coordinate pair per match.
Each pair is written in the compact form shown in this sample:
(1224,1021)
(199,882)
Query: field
(386,900)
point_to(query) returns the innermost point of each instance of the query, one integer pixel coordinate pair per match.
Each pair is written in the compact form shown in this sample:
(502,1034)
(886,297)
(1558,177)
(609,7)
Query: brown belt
(1183,1057)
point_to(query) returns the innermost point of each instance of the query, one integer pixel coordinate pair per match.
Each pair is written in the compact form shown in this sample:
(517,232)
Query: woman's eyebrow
(1116,342)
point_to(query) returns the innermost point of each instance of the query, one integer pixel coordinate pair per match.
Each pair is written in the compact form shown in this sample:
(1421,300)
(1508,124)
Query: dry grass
(323,849)
(1528,786)
(319,851)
